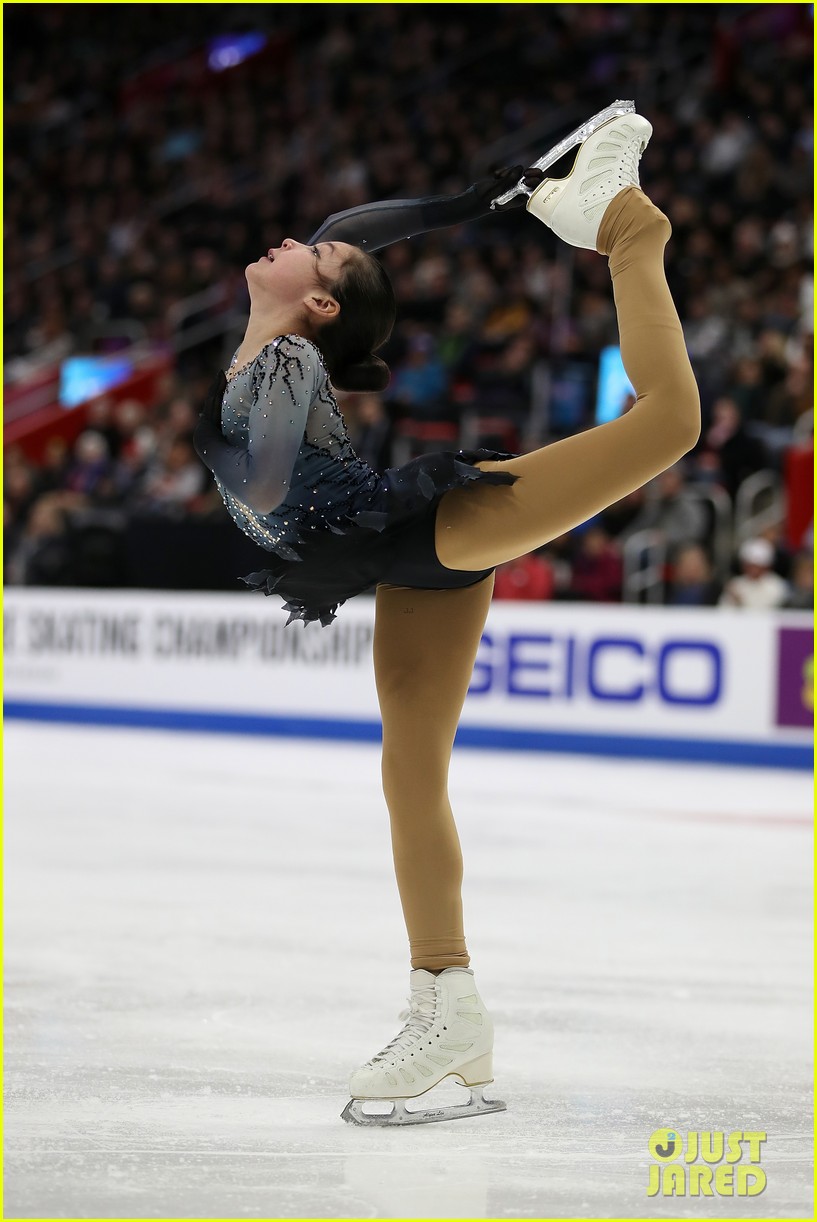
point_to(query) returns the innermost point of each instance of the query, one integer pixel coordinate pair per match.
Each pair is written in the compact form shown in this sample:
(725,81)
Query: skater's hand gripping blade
(477,1105)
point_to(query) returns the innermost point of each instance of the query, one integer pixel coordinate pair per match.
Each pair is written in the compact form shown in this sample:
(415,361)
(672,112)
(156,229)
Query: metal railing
(644,556)
(759,504)
(721,507)
(208,328)
(536,428)
(645,560)
(224,322)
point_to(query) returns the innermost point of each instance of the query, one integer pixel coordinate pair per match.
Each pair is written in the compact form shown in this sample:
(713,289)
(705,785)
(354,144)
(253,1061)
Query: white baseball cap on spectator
(757,551)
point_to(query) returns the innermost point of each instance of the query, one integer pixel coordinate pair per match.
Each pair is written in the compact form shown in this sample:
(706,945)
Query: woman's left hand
(503,180)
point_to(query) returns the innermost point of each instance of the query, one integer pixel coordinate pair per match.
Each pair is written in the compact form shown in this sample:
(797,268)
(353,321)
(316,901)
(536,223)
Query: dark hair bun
(368,374)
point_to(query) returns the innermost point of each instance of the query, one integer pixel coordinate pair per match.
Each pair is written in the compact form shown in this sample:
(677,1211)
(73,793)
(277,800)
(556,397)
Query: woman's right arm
(373,226)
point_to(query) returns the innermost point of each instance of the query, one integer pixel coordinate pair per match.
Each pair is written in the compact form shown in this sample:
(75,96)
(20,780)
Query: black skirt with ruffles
(390,541)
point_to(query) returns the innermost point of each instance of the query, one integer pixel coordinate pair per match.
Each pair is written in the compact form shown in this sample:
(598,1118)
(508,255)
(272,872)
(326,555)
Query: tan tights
(426,640)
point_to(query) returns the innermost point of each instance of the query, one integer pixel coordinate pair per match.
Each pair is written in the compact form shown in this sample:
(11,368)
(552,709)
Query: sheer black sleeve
(373,226)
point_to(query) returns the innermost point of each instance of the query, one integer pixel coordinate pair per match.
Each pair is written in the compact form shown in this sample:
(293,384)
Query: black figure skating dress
(287,471)
(289,477)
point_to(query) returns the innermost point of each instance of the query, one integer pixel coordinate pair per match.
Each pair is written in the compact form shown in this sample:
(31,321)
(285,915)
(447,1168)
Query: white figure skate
(449,1033)
(606,163)
(613,111)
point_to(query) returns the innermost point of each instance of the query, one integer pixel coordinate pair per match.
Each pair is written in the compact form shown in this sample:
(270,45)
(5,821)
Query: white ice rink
(204,939)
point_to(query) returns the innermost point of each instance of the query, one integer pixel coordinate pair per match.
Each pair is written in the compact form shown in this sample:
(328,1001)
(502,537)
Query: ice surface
(204,939)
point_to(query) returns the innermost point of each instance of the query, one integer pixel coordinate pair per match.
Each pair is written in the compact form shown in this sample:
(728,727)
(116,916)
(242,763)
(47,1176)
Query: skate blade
(353,1113)
(581,133)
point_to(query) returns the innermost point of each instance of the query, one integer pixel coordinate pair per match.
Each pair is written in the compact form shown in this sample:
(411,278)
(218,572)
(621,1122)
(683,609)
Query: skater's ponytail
(364,323)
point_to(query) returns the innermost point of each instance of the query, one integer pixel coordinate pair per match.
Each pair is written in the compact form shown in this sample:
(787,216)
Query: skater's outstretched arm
(373,226)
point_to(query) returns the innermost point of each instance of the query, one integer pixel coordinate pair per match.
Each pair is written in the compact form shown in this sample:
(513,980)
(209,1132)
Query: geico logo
(622,669)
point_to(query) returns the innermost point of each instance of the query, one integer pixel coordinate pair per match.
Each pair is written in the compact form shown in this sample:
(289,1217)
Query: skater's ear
(321,307)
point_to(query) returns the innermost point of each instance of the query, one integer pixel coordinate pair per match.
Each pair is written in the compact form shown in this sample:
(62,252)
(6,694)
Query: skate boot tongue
(420,978)
(423,1000)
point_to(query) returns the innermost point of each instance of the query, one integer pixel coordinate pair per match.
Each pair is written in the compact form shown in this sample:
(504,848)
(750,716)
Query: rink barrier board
(720,685)
(754,754)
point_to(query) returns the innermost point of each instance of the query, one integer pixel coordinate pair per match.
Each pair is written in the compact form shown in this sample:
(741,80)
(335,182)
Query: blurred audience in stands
(596,566)
(692,583)
(139,183)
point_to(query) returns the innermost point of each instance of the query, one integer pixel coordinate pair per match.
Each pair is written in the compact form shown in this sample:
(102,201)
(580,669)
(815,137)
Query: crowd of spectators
(137,176)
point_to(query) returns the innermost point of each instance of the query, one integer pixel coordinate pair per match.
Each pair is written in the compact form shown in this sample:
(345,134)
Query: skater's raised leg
(565,483)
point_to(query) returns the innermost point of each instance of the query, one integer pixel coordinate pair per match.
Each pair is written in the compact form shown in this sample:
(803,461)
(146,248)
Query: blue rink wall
(720,685)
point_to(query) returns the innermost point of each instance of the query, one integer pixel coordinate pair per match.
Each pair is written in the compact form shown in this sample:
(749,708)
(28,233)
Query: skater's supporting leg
(565,483)
(425,643)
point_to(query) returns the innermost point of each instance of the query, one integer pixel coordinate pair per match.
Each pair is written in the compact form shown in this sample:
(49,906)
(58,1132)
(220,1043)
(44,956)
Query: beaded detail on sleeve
(290,448)
(291,480)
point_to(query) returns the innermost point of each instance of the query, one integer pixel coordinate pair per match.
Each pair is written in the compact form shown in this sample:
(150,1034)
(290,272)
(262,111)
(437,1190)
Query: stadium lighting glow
(229,50)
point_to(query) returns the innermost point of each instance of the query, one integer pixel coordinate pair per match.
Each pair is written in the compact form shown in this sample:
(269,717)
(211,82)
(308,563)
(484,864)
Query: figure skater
(429,534)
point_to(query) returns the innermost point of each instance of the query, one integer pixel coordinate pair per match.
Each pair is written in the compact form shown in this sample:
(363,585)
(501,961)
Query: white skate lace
(631,157)
(421,1013)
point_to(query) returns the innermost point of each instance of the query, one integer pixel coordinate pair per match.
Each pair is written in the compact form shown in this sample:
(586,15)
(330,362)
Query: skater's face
(295,276)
